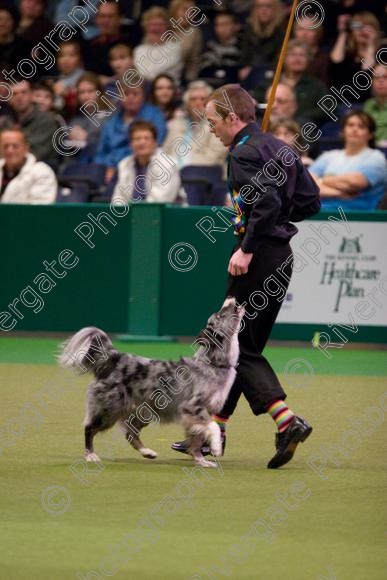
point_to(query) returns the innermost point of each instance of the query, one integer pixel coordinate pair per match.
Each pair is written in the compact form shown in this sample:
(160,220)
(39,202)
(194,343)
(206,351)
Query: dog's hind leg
(131,431)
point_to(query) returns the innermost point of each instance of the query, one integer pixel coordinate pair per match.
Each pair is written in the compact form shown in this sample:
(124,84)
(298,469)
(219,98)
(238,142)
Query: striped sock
(221,421)
(281,414)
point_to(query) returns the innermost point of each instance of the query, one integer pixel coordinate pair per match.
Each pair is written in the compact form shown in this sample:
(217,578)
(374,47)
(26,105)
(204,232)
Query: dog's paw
(148,453)
(204,463)
(92,457)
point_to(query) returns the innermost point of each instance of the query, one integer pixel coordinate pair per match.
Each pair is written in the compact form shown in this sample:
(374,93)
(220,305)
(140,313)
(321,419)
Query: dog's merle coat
(133,390)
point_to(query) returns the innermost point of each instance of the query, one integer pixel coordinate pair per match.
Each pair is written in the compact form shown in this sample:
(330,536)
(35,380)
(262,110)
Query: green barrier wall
(125,283)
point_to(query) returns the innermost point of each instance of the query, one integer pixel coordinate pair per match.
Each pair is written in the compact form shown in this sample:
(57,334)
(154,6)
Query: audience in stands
(238,40)
(23,179)
(355,49)
(108,21)
(12,49)
(318,63)
(145,175)
(84,133)
(191,38)
(43,97)
(189,140)
(308,89)
(70,69)
(289,131)
(38,126)
(262,40)
(120,60)
(221,58)
(33,24)
(377,106)
(285,104)
(164,94)
(59,11)
(113,145)
(353,177)
(167,56)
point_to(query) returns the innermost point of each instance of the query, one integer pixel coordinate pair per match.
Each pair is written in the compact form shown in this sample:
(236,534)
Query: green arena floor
(321,517)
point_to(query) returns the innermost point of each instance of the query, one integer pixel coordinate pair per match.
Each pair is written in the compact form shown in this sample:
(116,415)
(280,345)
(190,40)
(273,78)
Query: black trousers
(255,377)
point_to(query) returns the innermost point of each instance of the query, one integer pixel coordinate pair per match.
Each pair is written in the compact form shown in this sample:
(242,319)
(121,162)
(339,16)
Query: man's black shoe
(287,441)
(183,446)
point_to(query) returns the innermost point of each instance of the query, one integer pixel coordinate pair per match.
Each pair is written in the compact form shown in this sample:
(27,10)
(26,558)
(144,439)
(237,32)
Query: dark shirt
(39,128)
(97,53)
(277,189)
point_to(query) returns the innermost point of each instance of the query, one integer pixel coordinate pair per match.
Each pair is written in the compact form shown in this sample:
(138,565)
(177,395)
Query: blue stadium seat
(203,184)
(80,182)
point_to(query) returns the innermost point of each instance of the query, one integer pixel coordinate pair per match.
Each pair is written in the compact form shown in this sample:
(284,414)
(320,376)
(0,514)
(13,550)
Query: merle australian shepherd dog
(132,390)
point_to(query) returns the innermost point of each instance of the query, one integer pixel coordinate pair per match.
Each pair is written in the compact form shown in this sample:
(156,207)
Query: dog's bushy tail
(86,350)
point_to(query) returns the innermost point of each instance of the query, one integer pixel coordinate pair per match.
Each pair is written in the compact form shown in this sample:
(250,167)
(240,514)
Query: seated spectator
(189,140)
(108,20)
(120,60)
(289,131)
(285,104)
(136,179)
(353,177)
(262,40)
(33,24)
(60,13)
(155,23)
(191,39)
(38,127)
(12,49)
(318,65)
(354,50)
(377,106)
(43,97)
(84,134)
(113,145)
(221,58)
(308,89)
(164,94)
(70,69)
(23,179)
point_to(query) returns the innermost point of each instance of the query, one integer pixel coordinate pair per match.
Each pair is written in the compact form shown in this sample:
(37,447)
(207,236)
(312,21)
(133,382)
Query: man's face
(31,8)
(108,19)
(143,143)
(134,100)
(380,82)
(285,105)
(13,149)
(22,97)
(225,27)
(221,128)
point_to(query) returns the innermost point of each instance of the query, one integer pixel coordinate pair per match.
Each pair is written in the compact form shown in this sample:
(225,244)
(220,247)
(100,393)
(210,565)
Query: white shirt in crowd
(161,185)
(34,184)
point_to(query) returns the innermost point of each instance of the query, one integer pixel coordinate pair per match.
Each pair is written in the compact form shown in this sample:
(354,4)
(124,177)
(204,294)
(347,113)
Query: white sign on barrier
(339,273)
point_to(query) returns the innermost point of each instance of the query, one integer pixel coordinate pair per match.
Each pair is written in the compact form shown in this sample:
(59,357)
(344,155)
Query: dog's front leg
(132,434)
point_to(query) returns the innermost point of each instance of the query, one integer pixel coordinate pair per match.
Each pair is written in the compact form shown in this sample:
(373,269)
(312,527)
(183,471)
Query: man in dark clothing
(38,126)
(270,188)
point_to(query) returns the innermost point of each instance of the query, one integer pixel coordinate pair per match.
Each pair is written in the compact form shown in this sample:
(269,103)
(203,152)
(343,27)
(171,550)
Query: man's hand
(239,263)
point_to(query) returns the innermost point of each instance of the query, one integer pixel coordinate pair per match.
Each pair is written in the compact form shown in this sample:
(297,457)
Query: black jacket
(269,186)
